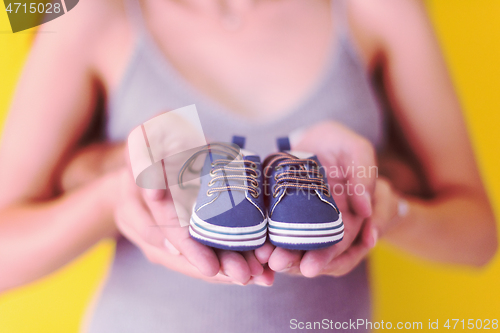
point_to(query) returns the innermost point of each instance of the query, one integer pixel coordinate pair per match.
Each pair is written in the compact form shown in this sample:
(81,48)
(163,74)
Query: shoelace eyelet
(209,193)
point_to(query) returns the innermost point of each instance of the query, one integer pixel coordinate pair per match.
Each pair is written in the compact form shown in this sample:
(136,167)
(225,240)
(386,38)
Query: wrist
(403,208)
(402,211)
(110,184)
(90,164)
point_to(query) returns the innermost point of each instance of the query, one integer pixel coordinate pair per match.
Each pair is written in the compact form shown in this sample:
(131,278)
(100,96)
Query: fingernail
(262,284)
(170,247)
(287,268)
(238,283)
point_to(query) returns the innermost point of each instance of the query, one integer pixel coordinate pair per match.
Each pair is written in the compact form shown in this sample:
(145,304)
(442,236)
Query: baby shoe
(301,212)
(229,212)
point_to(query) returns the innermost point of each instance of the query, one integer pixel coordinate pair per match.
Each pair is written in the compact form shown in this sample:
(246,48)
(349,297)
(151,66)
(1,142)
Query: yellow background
(405,288)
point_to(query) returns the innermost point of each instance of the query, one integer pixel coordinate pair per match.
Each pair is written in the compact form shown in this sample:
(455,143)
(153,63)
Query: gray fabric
(142,297)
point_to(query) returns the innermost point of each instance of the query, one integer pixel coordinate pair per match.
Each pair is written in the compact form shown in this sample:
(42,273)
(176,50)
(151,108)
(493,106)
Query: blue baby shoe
(229,212)
(302,214)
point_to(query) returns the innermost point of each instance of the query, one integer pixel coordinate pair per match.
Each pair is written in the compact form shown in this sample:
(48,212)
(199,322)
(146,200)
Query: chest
(279,72)
(263,68)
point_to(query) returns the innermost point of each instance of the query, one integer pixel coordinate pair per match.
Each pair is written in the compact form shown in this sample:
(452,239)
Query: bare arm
(456,223)
(38,238)
(40,158)
(41,230)
(453,222)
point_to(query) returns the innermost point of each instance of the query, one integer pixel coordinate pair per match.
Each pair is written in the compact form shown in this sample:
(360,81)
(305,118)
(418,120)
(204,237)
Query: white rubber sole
(306,233)
(228,237)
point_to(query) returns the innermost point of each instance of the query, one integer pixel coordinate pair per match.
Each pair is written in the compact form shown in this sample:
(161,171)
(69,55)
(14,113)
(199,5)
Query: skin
(60,202)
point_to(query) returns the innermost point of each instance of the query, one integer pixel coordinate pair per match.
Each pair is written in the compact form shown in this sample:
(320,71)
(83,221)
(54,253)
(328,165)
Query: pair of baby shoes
(243,200)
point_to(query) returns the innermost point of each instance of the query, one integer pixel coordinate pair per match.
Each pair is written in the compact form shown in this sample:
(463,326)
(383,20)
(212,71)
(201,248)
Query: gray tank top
(142,297)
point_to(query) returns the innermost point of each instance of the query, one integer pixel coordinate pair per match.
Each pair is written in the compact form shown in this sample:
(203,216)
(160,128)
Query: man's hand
(90,163)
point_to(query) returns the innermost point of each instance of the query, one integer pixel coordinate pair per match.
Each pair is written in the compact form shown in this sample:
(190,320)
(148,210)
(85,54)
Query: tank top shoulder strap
(341,17)
(135,15)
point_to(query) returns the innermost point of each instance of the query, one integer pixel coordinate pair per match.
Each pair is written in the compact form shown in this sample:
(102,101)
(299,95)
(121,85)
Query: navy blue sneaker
(229,212)
(302,214)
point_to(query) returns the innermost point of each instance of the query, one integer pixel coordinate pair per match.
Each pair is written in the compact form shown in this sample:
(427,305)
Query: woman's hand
(148,218)
(339,150)
(384,216)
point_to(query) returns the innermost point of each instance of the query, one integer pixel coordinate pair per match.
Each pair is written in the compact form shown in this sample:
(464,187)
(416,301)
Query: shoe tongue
(244,154)
(300,154)
(247,153)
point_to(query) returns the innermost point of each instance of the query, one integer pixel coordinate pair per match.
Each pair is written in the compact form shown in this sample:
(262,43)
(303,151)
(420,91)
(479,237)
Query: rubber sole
(305,236)
(228,238)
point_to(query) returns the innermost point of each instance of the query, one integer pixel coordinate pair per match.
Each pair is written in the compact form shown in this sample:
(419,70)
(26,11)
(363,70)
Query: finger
(282,259)
(234,265)
(182,265)
(314,261)
(266,279)
(152,252)
(155,195)
(165,218)
(264,252)
(171,247)
(357,176)
(134,216)
(178,263)
(355,159)
(145,223)
(219,278)
(341,200)
(361,204)
(364,177)
(294,270)
(348,260)
(254,264)
(199,255)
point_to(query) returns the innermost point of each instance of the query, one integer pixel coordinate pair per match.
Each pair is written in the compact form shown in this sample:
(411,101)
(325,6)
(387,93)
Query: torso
(151,78)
